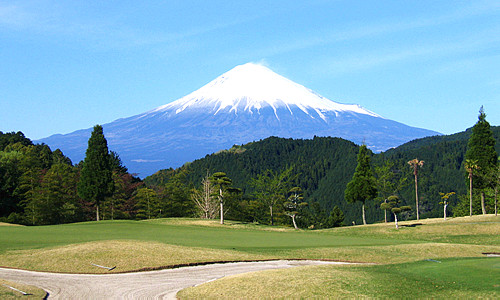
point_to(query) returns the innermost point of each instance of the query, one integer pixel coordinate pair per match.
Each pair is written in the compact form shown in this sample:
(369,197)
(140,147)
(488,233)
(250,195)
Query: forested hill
(442,171)
(453,138)
(324,166)
(313,161)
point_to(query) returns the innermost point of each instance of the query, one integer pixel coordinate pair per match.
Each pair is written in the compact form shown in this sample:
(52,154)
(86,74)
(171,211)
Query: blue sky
(68,65)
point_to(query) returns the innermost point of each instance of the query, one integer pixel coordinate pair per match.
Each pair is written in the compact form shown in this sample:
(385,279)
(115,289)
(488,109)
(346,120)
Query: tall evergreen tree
(481,147)
(96,181)
(363,185)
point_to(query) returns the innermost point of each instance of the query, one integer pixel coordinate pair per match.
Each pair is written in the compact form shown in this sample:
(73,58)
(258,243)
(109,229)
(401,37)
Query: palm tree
(415,163)
(470,166)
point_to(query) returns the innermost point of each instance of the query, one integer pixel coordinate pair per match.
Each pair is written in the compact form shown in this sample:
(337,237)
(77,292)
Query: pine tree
(392,205)
(363,185)
(148,204)
(481,148)
(294,204)
(96,181)
(220,180)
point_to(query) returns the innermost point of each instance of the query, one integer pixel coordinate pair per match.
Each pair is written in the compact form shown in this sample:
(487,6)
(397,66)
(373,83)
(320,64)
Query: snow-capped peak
(253,86)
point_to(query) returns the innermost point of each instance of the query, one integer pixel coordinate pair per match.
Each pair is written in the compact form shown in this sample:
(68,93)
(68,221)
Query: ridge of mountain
(248,103)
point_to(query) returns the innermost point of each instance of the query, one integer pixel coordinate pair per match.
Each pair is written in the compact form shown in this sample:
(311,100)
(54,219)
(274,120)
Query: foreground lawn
(403,258)
(8,293)
(449,278)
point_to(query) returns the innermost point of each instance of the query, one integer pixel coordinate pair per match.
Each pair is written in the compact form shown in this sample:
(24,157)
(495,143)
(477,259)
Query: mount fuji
(248,103)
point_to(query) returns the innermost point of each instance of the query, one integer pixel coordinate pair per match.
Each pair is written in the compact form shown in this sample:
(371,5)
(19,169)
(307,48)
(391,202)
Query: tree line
(421,179)
(317,183)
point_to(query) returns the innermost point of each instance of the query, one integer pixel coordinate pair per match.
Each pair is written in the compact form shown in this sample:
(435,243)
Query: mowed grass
(403,257)
(6,293)
(460,278)
(136,245)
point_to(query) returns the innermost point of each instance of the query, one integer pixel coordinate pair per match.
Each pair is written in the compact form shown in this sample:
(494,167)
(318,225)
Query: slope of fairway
(12,290)
(244,239)
(450,278)
(133,245)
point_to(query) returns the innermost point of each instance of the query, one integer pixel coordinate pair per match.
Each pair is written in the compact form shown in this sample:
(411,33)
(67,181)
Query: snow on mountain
(248,103)
(250,87)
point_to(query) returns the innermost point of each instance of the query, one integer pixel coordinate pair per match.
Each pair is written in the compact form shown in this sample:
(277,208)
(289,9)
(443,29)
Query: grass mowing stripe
(77,244)
(15,238)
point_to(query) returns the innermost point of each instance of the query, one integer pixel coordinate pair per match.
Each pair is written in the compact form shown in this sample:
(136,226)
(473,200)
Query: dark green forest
(324,165)
(38,186)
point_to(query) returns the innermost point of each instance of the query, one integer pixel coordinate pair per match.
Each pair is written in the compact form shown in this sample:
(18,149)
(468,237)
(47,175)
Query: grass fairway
(452,278)
(132,245)
(401,255)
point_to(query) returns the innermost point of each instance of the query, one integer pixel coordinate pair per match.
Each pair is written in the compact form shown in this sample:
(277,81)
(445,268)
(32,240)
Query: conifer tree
(271,187)
(220,180)
(148,204)
(392,205)
(294,204)
(446,201)
(96,181)
(481,148)
(363,185)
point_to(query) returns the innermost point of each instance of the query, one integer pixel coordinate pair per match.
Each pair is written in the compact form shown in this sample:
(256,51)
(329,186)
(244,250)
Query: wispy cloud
(140,160)
(358,61)
(467,64)
(379,29)
(99,33)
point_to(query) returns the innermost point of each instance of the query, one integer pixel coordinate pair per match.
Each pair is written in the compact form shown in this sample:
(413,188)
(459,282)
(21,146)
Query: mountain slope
(247,103)
(324,166)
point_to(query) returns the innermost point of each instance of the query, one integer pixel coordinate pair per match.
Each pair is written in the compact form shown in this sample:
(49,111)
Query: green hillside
(325,165)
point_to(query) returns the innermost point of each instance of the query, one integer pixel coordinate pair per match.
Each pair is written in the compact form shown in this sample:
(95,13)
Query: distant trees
(496,179)
(393,205)
(37,185)
(96,181)
(415,164)
(148,204)
(205,199)
(336,218)
(55,199)
(363,185)
(445,202)
(222,182)
(388,183)
(294,203)
(30,179)
(270,188)
(470,166)
(481,151)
